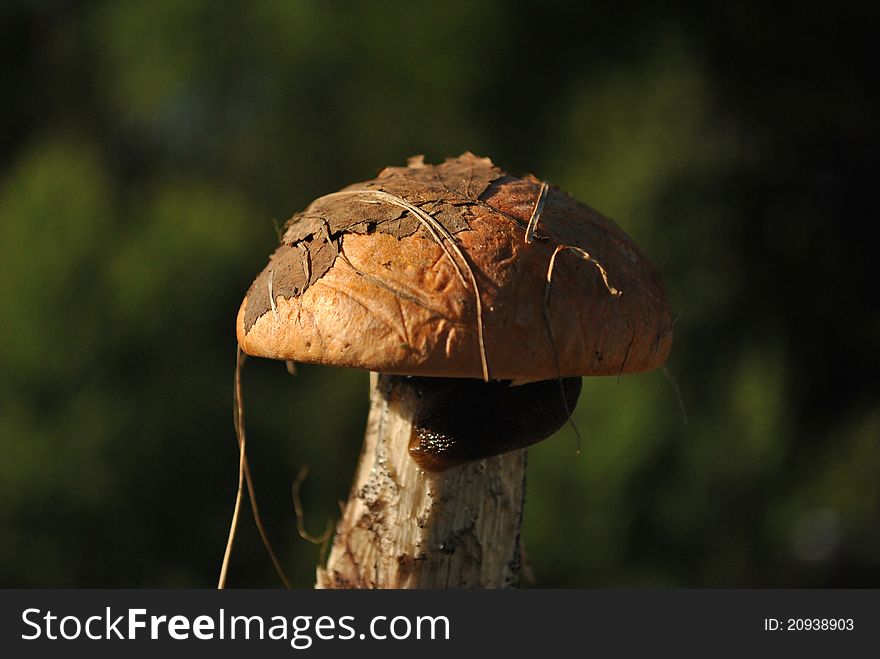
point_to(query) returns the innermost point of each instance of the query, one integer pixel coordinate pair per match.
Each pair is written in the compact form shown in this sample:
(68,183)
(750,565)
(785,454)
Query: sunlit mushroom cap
(426,270)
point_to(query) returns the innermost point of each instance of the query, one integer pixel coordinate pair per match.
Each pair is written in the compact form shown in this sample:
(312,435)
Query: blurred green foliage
(147,146)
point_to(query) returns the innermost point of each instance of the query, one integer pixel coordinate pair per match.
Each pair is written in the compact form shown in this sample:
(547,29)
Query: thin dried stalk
(447,243)
(300,515)
(239,432)
(244,477)
(536,213)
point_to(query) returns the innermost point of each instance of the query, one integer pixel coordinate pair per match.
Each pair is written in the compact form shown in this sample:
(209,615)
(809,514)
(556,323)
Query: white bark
(407,528)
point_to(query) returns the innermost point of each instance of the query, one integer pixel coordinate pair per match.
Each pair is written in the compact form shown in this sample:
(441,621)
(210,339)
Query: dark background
(146,148)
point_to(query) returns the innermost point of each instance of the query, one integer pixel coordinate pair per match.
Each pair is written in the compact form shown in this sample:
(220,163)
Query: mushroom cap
(384,275)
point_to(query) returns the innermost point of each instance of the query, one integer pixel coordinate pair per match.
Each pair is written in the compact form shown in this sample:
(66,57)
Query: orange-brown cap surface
(425,270)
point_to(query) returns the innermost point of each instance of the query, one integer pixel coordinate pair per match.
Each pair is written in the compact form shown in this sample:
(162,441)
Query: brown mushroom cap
(380,276)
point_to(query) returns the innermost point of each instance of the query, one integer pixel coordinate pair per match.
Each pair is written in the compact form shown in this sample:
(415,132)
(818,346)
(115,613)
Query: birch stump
(407,528)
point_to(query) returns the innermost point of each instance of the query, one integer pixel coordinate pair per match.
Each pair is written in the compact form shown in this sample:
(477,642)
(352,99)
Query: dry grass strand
(245,478)
(239,432)
(300,515)
(261,529)
(447,243)
(536,212)
(585,255)
(548,325)
(437,230)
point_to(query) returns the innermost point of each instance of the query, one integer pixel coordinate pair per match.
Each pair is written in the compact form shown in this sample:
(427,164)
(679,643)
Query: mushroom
(477,300)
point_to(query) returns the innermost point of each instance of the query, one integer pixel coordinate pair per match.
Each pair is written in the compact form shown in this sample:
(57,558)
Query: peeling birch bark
(407,528)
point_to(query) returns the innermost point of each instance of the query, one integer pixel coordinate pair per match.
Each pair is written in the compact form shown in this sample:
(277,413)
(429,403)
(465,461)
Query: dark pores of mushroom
(459,420)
